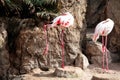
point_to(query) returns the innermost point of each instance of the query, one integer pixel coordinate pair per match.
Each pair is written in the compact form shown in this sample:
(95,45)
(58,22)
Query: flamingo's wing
(98,31)
(55,21)
(106,27)
(67,20)
(63,20)
(109,27)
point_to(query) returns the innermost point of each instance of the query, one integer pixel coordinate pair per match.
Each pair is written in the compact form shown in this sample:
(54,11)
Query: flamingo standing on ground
(103,29)
(64,21)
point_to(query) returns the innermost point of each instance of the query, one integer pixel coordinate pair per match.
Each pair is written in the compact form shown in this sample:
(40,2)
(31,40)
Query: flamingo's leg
(103,52)
(45,33)
(62,45)
(106,54)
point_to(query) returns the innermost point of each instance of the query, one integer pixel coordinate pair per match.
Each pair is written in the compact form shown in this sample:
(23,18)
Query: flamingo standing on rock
(63,21)
(103,29)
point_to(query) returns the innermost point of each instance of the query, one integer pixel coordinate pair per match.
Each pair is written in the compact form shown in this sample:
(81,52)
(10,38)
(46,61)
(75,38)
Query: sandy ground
(93,70)
(112,74)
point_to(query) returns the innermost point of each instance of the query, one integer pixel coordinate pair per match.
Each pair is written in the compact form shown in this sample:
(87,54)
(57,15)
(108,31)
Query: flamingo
(103,29)
(63,21)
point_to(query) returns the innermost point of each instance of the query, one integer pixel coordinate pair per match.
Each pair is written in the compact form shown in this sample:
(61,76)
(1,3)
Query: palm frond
(46,15)
(43,7)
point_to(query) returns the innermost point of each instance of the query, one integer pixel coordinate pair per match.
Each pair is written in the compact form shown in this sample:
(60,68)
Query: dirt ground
(112,74)
(93,72)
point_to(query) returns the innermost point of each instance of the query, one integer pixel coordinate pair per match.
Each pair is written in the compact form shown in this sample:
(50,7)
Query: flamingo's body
(103,29)
(65,20)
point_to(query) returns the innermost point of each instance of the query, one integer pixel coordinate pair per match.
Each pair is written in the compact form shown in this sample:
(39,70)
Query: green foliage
(46,8)
(43,7)
(47,5)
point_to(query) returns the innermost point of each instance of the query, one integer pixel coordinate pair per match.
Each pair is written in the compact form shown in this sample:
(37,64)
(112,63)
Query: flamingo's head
(95,37)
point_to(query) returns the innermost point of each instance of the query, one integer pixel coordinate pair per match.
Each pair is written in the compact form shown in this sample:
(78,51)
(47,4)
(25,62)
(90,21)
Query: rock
(69,72)
(18,77)
(81,61)
(30,41)
(106,77)
(28,45)
(1,41)
(93,49)
(36,71)
(96,9)
(26,41)
(94,52)
(4,55)
(115,57)
(113,39)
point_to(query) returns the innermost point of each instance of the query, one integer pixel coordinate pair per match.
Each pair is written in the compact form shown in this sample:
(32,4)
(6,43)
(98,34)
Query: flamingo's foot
(107,68)
(103,69)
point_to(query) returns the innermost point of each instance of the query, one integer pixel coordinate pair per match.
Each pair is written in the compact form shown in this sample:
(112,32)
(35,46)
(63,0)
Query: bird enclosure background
(22,39)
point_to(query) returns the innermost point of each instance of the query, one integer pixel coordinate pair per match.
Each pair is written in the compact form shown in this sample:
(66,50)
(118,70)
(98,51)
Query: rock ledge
(69,72)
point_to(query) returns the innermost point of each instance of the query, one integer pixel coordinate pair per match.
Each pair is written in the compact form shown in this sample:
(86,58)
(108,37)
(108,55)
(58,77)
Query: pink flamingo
(103,29)
(65,20)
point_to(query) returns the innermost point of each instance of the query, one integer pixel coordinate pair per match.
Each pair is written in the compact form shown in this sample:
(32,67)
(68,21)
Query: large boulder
(26,41)
(81,61)
(69,72)
(30,41)
(94,52)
